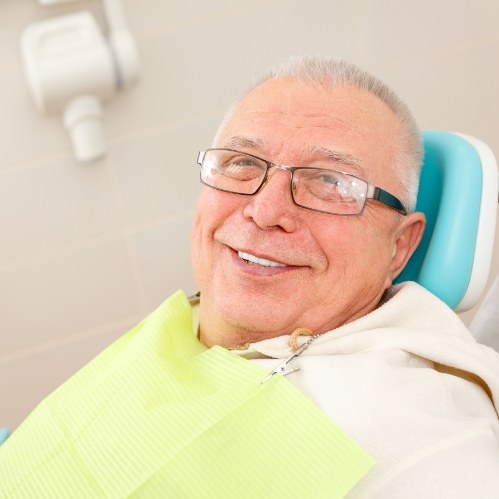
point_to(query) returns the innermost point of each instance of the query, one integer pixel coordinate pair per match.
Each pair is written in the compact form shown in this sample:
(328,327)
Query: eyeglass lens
(314,188)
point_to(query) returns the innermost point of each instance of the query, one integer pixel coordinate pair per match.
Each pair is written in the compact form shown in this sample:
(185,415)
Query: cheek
(353,248)
(213,209)
(196,251)
(201,234)
(373,254)
(209,214)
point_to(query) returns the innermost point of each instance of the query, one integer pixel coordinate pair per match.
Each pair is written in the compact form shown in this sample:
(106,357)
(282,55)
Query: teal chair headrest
(458,202)
(4,433)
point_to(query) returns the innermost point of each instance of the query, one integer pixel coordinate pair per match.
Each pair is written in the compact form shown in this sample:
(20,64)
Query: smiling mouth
(254,260)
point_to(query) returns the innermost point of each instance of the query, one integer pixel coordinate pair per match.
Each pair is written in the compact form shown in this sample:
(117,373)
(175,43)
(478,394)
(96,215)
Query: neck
(227,332)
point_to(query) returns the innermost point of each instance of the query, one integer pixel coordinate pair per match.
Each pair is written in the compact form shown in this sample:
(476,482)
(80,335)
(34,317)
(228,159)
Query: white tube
(83,119)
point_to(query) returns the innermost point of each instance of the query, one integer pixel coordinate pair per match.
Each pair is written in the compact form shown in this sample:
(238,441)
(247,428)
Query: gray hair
(329,72)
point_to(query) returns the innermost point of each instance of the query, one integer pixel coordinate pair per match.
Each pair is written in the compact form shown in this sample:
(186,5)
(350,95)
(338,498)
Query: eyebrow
(238,141)
(337,157)
(316,152)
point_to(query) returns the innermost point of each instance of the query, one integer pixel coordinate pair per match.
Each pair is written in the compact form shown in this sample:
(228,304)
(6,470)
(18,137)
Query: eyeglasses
(317,189)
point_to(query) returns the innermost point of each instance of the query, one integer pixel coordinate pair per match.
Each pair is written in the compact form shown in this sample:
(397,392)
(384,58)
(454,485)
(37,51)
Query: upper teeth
(260,261)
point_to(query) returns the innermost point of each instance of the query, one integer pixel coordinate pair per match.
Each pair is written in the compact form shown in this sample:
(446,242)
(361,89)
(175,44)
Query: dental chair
(4,433)
(458,194)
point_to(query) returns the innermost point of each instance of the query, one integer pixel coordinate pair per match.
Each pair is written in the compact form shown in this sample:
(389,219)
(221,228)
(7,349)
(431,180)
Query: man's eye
(328,179)
(241,168)
(244,162)
(330,187)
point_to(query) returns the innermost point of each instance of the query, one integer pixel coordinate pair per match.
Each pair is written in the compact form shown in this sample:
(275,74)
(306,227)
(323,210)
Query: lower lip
(258,270)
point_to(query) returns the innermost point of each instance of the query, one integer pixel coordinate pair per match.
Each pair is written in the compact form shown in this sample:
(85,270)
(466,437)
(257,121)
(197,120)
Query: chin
(251,316)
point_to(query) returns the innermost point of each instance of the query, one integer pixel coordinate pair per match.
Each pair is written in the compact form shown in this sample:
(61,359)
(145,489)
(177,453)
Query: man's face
(336,268)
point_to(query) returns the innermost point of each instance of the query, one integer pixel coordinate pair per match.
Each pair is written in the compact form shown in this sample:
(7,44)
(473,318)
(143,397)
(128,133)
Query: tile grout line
(66,154)
(120,207)
(95,240)
(450,49)
(67,340)
(154,32)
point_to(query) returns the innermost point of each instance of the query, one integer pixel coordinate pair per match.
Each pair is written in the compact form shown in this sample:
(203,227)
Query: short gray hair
(329,72)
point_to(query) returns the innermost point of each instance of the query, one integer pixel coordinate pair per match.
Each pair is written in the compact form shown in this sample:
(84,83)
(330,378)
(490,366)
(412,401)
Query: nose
(272,206)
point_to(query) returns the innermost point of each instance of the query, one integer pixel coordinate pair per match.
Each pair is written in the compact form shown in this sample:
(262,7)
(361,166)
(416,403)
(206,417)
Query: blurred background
(88,249)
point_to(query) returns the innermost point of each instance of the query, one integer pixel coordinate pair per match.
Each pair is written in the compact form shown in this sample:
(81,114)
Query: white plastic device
(486,224)
(71,69)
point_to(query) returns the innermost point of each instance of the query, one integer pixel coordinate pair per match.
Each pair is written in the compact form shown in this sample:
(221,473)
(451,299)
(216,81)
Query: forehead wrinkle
(335,157)
(312,152)
(240,141)
(293,118)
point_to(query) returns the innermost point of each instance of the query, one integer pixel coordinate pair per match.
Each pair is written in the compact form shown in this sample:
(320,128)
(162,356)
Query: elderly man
(331,382)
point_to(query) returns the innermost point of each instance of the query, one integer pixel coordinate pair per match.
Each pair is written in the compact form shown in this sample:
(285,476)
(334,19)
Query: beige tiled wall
(87,250)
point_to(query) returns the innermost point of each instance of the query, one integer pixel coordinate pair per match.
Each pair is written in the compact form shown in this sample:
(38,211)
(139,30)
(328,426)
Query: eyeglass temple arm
(385,197)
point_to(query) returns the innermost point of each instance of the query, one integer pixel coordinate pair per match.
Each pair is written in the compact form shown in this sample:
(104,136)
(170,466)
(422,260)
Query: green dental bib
(159,415)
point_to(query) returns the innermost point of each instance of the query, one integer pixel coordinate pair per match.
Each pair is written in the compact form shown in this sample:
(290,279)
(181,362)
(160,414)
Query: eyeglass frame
(373,192)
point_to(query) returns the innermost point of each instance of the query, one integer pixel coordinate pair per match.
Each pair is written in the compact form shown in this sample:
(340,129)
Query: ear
(408,235)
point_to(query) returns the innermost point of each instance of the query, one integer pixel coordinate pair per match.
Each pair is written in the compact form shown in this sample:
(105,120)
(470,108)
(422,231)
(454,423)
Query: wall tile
(157,173)
(26,134)
(53,204)
(454,93)
(26,381)
(142,15)
(466,106)
(163,256)
(196,71)
(47,299)
(390,29)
